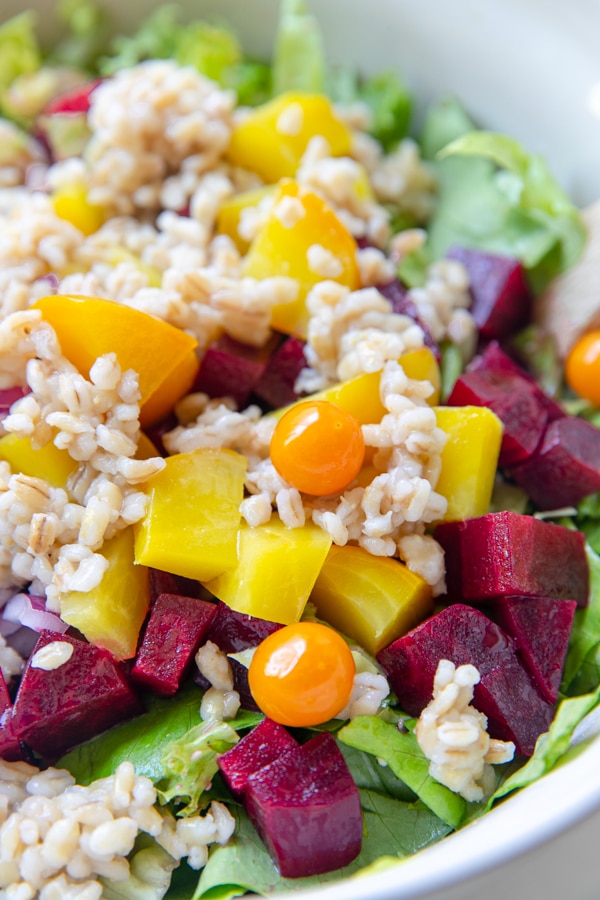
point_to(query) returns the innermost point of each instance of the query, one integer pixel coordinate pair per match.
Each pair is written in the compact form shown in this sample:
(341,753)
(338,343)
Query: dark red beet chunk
(233,632)
(167,583)
(501,298)
(76,100)
(306,808)
(176,628)
(541,630)
(505,693)
(275,387)
(506,554)
(402,305)
(566,466)
(8,396)
(265,743)
(232,369)
(57,709)
(494,359)
(10,746)
(514,400)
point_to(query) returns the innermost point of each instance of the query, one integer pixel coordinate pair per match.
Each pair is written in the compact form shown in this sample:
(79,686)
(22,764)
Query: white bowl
(530,68)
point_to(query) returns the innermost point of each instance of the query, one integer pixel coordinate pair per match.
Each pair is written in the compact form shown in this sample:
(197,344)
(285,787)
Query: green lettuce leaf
(19,51)
(392,829)
(391,107)
(87,28)
(211,49)
(157,38)
(585,633)
(150,872)
(552,745)
(405,758)
(299,53)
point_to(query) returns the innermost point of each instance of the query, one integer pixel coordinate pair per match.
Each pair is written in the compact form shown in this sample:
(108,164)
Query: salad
(300,532)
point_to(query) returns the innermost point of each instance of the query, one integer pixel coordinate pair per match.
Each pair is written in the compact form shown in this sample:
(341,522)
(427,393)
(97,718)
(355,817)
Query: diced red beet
(505,693)
(504,554)
(402,305)
(76,100)
(10,746)
(57,709)
(514,400)
(265,743)
(8,396)
(232,369)
(275,387)
(176,628)
(306,808)
(540,629)
(501,297)
(493,358)
(233,632)
(565,467)
(156,432)
(166,583)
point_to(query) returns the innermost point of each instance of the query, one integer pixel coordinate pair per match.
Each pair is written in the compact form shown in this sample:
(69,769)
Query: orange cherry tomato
(582,368)
(318,447)
(302,674)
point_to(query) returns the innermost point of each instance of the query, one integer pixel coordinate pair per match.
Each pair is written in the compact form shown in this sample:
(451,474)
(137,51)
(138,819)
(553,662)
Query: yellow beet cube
(48,462)
(277,568)
(190,527)
(303,239)
(469,459)
(71,203)
(272,139)
(230,213)
(371,599)
(112,614)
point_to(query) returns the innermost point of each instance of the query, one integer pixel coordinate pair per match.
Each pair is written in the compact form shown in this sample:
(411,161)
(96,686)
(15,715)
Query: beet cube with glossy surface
(264,744)
(306,808)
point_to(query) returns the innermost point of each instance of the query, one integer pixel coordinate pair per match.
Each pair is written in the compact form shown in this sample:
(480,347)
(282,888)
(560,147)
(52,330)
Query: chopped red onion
(31,612)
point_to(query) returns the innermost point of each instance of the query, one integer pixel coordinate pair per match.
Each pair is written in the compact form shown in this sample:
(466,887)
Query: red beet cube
(275,387)
(402,305)
(265,743)
(515,401)
(540,629)
(232,369)
(505,554)
(501,297)
(565,467)
(166,583)
(57,709)
(306,808)
(8,396)
(233,632)
(505,693)
(76,100)
(10,747)
(176,628)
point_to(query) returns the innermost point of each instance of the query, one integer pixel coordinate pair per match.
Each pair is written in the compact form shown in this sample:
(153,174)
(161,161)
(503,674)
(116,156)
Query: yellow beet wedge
(277,568)
(112,614)
(191,524)
(304,239)
(48,462)
(272,139)
(371,599)
(163,356)
(469,459)
(230,213)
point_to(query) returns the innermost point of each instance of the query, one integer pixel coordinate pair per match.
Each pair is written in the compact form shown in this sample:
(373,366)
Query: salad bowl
(529,70)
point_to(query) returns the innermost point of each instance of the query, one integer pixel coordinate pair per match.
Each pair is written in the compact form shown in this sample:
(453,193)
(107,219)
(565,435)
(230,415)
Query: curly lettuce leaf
(393,830)
(87,28)
(405,758)
(20,53)
(299,52)
(585,633)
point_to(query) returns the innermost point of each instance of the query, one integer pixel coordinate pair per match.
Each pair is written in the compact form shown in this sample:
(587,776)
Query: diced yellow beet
(272,139)
(469,459)
(191,525)
(48,462)
(145,448)
(118,255)
(371,599)
(71,203)
(163,356)
(230,213)
(290,246)
(277,568)
(421,365)
(112,614)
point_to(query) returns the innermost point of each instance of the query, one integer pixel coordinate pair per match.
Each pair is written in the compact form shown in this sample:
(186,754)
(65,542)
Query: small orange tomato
(302,675)
(582,368)
(318,447)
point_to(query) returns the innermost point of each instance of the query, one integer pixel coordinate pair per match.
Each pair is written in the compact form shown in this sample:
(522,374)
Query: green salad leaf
(150,873)
(87,28)
(20,53)
(552,745)
(405,758)
(585,633)
(392,829)
(299,52)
